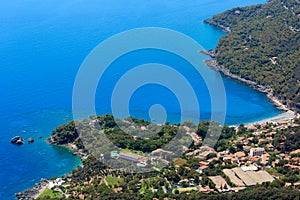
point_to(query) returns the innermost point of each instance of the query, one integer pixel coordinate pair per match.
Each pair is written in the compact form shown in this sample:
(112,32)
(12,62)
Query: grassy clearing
(134,151)
(50,193)
(112,181)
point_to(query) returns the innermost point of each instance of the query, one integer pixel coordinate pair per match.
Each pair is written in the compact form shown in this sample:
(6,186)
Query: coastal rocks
(213,64)
(30,140)
(210,53)
(214,23)
(50,140)
(17,140)
(32,193)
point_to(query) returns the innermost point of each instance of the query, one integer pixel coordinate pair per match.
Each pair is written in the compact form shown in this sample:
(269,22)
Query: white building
(257,151)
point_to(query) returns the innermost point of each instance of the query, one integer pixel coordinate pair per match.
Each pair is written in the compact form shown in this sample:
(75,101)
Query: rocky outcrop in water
(17,140)
(30,140)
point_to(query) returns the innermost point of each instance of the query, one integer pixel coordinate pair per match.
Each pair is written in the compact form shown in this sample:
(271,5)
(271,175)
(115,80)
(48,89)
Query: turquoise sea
(42,45)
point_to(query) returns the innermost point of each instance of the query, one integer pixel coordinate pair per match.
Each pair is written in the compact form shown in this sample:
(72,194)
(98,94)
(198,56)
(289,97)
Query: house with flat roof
(257,151)
(243,178)
(132,157)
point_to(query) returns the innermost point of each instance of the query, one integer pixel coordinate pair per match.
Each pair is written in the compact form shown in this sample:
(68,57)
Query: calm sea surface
(42,45)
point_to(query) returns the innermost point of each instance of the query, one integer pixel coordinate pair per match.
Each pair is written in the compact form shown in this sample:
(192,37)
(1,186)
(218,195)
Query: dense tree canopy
(264,46)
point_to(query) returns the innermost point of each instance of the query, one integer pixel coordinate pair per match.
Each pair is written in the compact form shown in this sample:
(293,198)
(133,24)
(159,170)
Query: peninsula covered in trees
(263,46)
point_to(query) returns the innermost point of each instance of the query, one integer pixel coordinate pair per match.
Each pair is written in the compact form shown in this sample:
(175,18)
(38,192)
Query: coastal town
(257,153)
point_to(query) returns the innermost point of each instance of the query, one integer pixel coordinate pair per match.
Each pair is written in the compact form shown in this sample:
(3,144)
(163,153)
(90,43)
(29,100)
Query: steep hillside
(263,45)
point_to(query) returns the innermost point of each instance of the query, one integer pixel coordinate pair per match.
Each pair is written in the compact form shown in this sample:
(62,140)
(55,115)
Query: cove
(43,44)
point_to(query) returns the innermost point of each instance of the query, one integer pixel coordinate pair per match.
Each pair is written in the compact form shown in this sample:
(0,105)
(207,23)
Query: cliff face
(263,47)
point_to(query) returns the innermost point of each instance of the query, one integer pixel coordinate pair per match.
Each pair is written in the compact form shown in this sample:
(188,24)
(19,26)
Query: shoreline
(40,192)
(218,25)
(212,63)
(288,115)
(35,191)
(75,151)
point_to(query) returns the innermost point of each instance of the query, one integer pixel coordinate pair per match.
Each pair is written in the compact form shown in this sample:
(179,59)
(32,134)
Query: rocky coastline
(33,192)
(216,24)
(81,153)
(213,64)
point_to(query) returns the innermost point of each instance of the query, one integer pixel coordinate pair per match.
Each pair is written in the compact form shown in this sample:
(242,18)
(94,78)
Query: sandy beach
(283,116)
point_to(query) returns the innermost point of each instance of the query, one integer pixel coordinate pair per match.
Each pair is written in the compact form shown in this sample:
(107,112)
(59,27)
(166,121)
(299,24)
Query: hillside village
(261,154)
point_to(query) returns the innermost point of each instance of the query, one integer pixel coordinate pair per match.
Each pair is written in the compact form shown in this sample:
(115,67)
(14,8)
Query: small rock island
(17,140)
(30,140)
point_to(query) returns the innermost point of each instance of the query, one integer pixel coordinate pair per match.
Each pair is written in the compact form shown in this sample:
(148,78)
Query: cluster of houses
(259,154)
(251,161)
(255,155)
(292,159)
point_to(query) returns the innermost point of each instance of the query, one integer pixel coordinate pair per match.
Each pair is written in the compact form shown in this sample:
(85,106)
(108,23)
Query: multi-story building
(257,151)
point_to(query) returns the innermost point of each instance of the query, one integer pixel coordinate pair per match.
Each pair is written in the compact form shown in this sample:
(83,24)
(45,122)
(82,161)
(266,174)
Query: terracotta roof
(240,154)
(202,163)
(295,152)
(203,167)
(247,147)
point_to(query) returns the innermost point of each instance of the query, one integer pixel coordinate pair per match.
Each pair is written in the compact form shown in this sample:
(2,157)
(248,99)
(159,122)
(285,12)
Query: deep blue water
(42,45)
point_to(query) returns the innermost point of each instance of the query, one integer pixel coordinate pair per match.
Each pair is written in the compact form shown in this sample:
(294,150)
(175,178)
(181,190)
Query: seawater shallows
(43,44)
(23,166)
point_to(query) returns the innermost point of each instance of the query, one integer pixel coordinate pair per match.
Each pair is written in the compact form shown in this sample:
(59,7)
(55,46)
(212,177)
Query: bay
(42,45)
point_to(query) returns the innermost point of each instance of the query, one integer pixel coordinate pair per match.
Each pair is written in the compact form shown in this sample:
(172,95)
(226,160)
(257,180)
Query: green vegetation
(149,185)
(95,180)
(65,134)
(104,133)
(273,172)
(50,194)
(263,46)
(114,181)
